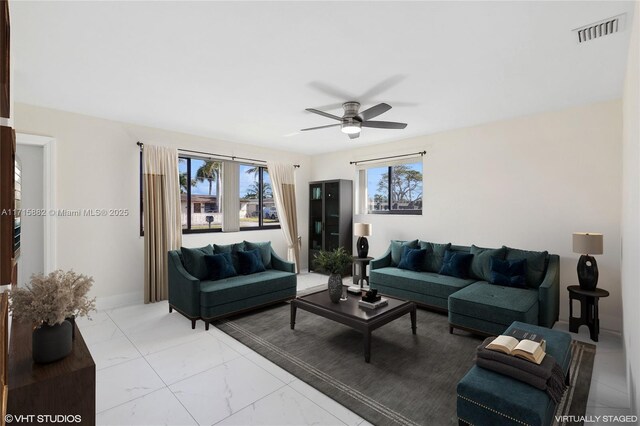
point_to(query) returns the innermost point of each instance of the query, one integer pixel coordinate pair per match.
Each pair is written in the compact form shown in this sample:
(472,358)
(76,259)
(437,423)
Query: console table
(588,309)
(66,387)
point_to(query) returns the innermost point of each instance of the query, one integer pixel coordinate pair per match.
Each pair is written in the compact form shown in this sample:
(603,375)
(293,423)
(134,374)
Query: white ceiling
(245,72)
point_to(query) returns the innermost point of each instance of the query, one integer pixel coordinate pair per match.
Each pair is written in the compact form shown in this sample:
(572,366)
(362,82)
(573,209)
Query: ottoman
(489,398)
(490,309)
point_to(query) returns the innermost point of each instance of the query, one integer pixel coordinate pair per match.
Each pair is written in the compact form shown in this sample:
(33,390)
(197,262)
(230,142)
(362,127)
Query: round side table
(361,271)
(588,309)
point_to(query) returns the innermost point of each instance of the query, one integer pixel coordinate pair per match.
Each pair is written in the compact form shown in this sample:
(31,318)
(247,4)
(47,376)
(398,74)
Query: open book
(525,349)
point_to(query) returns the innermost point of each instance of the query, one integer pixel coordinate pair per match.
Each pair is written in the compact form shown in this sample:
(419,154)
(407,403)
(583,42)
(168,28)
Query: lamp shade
(587,243)
(361,229)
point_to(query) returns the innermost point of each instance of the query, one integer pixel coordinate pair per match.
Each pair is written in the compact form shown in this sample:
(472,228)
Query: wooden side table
(360,275)
(588,309)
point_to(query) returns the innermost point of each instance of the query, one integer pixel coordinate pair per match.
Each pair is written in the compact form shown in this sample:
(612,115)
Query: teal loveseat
(209,300)
(472,303)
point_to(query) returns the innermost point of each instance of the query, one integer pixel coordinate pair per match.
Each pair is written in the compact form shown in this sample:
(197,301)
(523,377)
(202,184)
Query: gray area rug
(411,380)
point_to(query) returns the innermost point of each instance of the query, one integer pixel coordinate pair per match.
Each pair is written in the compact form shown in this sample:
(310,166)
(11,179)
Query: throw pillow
(481,262)
(220,266)
(397,247)
(412,259)
(230,248)
(536,264)
(193,260)
(510,273)
(435,255)
(250,262)
(456,264)
(265,251)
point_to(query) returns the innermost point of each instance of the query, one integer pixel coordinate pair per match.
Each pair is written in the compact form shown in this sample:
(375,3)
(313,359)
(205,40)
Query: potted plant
(46,303)
(334,263)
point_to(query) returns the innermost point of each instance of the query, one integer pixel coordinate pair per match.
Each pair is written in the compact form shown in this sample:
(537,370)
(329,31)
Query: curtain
(284,191)
(161,217)
(230,196)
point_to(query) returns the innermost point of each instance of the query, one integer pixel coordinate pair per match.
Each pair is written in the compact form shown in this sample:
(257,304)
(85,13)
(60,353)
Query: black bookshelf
(330,216)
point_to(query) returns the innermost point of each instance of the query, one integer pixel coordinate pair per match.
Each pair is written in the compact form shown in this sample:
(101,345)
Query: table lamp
(362,230)
(587,243)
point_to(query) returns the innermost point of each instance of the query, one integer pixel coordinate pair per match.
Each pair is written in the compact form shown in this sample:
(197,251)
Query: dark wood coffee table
(350,314)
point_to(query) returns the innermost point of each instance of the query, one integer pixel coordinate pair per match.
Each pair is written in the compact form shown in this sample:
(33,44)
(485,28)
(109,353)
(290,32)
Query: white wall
(528,182)
(98,167)
(31,259)
(631,213)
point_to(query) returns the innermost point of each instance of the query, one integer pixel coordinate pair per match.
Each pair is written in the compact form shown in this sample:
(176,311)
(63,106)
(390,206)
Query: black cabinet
(330,216)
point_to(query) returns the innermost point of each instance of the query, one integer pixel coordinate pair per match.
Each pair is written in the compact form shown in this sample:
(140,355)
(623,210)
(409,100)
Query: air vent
(600,29)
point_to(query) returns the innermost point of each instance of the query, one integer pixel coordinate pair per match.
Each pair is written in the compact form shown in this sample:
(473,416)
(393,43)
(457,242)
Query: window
(394,189)
(257,206)
(200,189)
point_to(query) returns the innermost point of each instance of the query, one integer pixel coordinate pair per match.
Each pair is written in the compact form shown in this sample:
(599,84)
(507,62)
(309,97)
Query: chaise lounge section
(472,302)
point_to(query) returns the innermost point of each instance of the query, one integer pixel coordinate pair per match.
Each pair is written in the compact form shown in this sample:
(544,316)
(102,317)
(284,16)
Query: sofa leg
(206,325)
(450,330)
(170,309)
(193,324)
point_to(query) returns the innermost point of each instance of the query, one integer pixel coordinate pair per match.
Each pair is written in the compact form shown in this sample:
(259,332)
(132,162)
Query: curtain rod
(233,157)
(421,153)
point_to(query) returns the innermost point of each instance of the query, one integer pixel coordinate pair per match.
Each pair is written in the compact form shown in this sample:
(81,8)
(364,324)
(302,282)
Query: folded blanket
(548,376)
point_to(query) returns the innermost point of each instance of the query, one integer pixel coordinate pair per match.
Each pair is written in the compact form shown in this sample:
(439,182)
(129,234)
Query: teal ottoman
(489,398)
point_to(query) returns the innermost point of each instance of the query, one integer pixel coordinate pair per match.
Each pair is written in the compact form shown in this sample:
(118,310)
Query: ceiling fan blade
(354,135)
(374,111)
(384,124)
(320,127)
(325,114)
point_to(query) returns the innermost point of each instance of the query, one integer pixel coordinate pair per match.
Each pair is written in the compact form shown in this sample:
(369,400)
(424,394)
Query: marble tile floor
(152,369)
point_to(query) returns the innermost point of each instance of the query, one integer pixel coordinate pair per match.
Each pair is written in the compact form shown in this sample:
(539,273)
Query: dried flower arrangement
(50,299)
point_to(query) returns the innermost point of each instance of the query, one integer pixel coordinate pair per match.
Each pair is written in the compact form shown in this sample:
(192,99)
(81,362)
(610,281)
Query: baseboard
(118,300)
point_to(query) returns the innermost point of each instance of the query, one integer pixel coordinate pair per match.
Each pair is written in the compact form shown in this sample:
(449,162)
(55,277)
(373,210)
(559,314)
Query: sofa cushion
(230,248)
(428,283)
(412,259)
(456,264)
(265,251)
(495,303)
(213,293)
(250,262)
(193,261)
(220,266)
(396,249)
(481,262)
(512,273)
(435,255)
(536,264)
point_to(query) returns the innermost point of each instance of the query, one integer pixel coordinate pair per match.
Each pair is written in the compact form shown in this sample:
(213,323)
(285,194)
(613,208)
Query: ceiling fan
(352,121)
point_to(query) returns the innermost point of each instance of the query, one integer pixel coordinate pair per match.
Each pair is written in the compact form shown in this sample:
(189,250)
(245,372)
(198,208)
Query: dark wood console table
(66,387)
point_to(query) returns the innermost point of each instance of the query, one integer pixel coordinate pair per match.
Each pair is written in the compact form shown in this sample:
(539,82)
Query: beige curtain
(284,191)
(230,196)
(161,217)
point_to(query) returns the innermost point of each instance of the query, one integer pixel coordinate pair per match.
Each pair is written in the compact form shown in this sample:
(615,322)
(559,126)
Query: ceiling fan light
(351,128)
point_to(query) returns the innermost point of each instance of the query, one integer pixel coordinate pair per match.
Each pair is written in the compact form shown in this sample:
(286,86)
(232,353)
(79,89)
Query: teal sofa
(472,303)
(209,300)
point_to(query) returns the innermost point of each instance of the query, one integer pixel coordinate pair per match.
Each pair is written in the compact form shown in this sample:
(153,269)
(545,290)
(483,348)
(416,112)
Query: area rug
(411,379)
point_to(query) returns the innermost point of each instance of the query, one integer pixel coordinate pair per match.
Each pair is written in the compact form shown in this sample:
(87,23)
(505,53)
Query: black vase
(587,272)
(51,343)
(363,247)
(72,320)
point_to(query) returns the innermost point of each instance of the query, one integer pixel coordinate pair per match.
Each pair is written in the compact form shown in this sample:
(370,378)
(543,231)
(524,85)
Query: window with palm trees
(257,206)
(200,189)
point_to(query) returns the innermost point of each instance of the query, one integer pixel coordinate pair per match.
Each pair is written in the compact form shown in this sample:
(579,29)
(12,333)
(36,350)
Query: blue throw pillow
(220,266)
(456,264)
(509,273)
(412,259)
(250,262)
(193,260)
